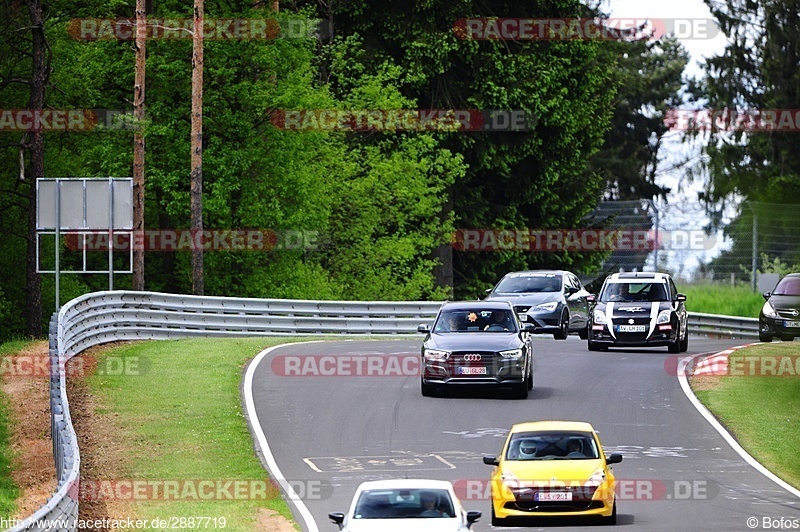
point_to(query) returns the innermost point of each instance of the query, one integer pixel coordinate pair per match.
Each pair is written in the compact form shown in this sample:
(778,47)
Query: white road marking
(272,465)
(687,390)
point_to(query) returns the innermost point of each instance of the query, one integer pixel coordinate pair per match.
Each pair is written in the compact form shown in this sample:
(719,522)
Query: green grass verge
(182,418)
(723,299)
(761,411)
(9,491)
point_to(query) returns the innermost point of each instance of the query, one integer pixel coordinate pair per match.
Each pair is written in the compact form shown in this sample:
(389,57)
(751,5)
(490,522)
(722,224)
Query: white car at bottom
(403,505)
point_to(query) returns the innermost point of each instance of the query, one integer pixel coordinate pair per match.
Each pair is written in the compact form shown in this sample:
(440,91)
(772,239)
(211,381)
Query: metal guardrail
(727,326)
(104,317)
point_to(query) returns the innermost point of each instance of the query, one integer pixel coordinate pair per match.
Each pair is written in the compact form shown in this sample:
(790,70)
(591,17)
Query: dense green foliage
(382,206)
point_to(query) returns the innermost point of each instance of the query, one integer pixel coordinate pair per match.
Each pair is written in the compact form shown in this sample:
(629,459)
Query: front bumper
(495,371)
(546,322)
(598,503)
(600,335)
(779,326)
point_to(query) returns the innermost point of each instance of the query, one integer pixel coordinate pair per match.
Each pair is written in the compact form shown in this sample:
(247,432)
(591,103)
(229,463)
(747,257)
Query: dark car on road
(639,310)
(553,300)
(780,315)
(477,343)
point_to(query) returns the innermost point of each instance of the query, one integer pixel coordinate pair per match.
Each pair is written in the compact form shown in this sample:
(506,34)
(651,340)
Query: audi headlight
(769,311)
(434,354)
(663,317)
(597,478)
(513,353)
(599,317)
(549,307)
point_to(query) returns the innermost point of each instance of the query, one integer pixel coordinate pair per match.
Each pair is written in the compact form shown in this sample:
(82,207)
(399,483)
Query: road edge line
(261,438)
(700,407)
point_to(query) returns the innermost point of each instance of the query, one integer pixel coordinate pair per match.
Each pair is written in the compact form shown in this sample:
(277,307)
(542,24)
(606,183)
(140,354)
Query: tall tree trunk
(138,144)
(39,75)
(196,187)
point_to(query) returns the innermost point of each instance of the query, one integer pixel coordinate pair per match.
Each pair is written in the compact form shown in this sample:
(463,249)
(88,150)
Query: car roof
(535,426)
(405,483)
(554,272)
(644,276)
(483,304)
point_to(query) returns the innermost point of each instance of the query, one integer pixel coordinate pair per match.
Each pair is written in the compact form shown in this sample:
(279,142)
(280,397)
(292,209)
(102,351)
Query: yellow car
(551,469)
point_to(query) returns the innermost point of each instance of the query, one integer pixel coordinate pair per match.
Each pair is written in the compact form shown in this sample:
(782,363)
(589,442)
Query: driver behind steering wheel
(498,318)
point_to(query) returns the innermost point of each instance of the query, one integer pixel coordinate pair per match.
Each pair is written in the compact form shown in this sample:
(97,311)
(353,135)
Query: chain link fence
(682,239)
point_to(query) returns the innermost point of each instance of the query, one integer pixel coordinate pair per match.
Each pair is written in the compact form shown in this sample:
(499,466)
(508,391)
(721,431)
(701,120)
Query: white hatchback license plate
(545,496)
(791,324)
(472,371)
(631,328)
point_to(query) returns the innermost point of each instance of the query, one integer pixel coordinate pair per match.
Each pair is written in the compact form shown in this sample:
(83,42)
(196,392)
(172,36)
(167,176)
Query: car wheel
(764,334)
(584,333)
(611,519)
(685,342)
(594,347)
(529,381)
(675,347)
(563,330)
(520,390)
(427,389)
(786,337)
(498,521)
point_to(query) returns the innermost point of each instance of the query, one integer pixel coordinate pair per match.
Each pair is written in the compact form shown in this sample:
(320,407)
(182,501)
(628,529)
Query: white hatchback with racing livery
(638,310)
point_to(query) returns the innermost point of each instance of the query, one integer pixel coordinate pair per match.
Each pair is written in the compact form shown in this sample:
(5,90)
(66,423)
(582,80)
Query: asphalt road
(330,433)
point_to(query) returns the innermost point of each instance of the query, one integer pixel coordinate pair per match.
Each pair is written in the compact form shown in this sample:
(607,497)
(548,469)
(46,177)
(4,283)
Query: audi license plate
(791,324)
(552,496)
(631,328)
(471,371)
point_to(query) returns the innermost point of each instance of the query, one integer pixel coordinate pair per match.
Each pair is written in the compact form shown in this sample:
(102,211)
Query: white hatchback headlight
(663,317)
(599,317)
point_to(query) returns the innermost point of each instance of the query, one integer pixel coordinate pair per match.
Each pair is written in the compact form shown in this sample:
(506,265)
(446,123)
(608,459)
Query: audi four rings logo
(472,358)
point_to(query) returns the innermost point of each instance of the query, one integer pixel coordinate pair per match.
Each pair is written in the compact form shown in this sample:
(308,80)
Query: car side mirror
(591,298)
(488,290)
(614,459)
(338,518)
(424,328)
(767,295)
(528,327)
(491,460)
(571,290)
(680,297)
(472,517)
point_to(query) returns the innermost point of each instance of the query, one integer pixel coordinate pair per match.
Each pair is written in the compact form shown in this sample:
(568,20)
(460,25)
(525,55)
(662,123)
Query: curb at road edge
(687,390)
(262,446)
